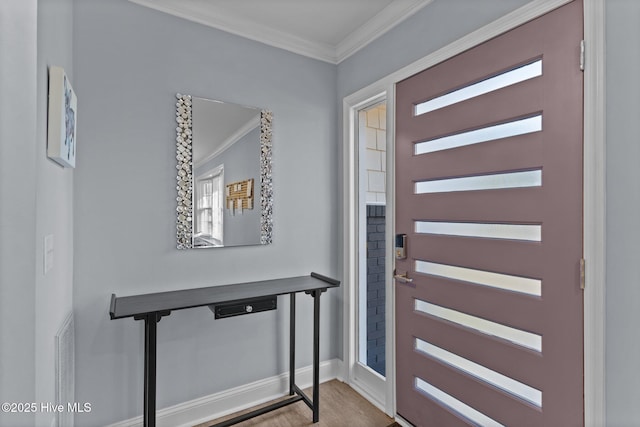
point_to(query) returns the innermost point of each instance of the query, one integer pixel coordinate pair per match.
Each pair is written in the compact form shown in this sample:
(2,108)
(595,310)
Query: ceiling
(328,30)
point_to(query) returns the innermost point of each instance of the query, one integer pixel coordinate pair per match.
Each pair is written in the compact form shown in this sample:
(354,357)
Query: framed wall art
(63,113)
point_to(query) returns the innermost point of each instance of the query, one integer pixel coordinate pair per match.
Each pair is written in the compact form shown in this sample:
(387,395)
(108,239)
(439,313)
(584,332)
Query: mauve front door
(489,320)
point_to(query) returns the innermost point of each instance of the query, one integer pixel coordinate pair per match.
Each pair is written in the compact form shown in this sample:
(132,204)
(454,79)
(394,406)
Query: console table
(152,307)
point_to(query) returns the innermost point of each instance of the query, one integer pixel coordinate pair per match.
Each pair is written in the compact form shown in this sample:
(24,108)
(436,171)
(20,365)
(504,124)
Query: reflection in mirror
(224,174)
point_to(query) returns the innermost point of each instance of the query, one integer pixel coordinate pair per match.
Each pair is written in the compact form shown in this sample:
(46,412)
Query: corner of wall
(54,203)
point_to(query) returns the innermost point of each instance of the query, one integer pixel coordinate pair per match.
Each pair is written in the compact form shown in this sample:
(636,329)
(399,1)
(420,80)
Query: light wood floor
(340,406)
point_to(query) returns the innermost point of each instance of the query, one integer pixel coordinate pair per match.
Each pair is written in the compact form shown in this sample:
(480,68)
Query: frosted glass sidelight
(460,408)
(526,232)
(481,182)
(504,383)
(522,338)
(490,133)
(506,282)
(500,81)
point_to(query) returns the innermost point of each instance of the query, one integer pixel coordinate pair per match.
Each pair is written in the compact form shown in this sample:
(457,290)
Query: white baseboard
(236,399)
(340,370)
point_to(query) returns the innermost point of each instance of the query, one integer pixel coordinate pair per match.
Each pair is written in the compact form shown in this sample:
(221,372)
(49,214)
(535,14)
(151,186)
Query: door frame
(593,205)
(357,378)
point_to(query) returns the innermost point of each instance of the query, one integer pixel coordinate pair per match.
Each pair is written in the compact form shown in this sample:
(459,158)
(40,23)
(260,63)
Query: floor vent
(65,370)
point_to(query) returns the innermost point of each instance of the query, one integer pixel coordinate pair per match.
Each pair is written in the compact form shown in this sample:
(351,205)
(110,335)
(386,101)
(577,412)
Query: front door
(489,306)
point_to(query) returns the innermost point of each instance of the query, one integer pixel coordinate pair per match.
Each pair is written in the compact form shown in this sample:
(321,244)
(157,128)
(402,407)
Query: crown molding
(243,28)
(382,22)
(232,139)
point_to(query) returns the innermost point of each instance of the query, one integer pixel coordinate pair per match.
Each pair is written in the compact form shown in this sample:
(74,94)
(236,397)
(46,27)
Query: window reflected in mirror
(209,209)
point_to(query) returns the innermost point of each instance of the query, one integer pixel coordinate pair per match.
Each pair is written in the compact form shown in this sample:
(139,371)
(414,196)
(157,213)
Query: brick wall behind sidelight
(376,288)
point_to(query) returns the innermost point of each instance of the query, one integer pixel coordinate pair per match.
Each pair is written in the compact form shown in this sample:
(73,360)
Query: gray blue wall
(18,182)
(128,78)
(36,200)
(129,63)
(623,204)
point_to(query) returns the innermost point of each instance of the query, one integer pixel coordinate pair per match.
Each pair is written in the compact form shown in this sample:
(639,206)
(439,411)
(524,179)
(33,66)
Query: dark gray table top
(138,305)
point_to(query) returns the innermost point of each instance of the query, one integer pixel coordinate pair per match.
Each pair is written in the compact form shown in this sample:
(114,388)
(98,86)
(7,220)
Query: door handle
(403,278)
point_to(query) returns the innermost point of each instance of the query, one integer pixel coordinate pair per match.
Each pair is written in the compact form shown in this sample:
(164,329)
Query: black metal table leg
(292,344)
(316,355)
(150,344)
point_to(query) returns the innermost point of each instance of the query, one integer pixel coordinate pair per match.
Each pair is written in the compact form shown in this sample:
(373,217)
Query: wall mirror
(224,174)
